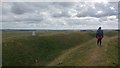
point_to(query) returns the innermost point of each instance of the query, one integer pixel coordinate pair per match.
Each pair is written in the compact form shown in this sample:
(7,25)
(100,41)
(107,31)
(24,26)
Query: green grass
(112,52)
(77,57)
(44,48)
(110,34)
(0,48)
(88,54)
(22,49)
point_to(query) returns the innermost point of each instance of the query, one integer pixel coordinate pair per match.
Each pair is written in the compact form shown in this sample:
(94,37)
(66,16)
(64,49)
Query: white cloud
(59,15)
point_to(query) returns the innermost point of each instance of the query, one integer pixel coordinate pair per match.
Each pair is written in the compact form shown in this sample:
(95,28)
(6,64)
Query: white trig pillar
(33,33)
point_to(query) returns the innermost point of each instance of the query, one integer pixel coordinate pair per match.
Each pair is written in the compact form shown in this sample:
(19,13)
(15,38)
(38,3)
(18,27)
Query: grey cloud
(6,8)
(63,4)
(57,15)
(21,8)
(27,18)
(75,22)
(90,11)
(63,7)
(107,18)
(62,14)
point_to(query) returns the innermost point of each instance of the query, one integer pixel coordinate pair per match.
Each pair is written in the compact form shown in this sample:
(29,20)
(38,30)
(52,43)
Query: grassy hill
(58,49)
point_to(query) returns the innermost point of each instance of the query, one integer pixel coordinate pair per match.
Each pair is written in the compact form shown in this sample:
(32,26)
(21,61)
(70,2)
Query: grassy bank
(22,49)
(42,49)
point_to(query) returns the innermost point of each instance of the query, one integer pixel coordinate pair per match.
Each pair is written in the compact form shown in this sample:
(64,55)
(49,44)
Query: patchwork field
(59,49)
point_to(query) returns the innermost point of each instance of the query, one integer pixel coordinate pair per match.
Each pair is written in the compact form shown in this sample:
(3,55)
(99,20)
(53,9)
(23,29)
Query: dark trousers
(99,41)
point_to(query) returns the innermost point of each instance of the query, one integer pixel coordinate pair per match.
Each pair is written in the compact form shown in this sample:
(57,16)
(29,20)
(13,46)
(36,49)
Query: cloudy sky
(59,15)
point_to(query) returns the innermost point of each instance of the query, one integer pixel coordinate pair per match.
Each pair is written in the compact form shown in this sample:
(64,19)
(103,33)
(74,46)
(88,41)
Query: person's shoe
(98,45)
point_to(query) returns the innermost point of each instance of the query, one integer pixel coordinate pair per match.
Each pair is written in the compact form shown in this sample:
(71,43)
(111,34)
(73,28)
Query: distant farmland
(58,49)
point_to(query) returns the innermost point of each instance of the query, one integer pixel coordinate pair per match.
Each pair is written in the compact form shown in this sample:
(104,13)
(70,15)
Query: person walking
(99,36)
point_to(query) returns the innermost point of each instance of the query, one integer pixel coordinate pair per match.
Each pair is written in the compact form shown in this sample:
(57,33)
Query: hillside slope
(88,54)
(59,49)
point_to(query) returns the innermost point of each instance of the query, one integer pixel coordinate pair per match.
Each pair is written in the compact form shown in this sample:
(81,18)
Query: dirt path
(61,58)
(94,56)
(97,55)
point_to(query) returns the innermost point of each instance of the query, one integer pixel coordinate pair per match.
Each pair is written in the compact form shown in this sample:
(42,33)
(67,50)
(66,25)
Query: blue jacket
(99,32)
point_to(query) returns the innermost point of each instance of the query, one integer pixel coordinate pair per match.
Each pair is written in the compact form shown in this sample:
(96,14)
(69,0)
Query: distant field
(0,48)
(58,49)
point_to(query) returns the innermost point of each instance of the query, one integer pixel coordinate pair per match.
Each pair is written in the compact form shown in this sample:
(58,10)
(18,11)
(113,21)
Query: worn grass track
(87,54)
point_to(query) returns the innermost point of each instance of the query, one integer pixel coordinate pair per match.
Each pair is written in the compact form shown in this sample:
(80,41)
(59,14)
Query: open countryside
(59,49)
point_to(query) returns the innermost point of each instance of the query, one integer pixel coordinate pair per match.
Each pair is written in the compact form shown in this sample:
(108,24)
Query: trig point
(33,33)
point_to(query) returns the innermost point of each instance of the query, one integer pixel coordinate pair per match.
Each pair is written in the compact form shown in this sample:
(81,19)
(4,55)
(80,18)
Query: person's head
(99,27)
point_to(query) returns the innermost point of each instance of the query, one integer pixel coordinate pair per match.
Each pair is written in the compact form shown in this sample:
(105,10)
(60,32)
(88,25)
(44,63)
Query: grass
(110,34)
(41,48)
(22,49)
(88,54)
(0,48)
(112,52)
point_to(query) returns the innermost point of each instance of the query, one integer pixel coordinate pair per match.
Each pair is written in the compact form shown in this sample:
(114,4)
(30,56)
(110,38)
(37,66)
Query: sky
(59,15)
